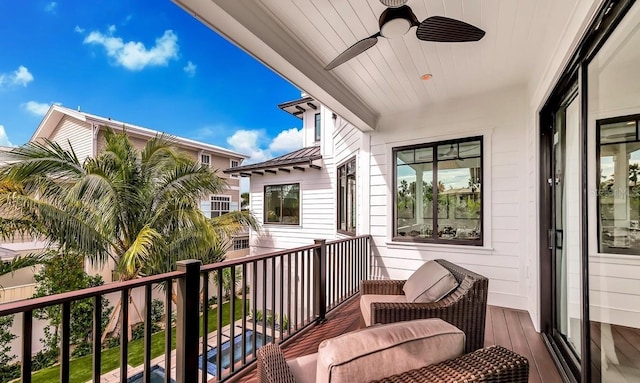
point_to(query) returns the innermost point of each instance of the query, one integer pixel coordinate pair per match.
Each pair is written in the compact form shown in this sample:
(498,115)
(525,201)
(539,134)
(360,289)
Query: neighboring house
(533,131)
(294,196)
(84,132)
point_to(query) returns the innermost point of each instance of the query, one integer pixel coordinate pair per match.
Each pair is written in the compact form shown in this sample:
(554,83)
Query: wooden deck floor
(512,329)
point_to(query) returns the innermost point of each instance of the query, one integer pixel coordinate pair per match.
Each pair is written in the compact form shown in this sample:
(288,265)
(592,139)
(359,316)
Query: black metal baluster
(65,342)
(273,299)
(254,299)
(244,314)
(264,301)
(27,336)
(219,328)
(288,295)
(146,375)
(205,326)
(232,319)
(97,333)
(281,326)
(124,334)
(303,308)
(295,288)
(309,280)
(168,312)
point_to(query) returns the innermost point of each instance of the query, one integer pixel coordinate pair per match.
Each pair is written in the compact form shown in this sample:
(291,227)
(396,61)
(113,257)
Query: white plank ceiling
(386,78)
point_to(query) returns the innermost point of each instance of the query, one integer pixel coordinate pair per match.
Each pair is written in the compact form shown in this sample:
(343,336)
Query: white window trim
(205,155)
(487,228)
(300,204)
(231,161)
(219,195)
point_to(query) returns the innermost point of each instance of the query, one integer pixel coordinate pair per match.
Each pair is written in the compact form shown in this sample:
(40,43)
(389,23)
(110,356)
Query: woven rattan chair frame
(465,307)
(491,364)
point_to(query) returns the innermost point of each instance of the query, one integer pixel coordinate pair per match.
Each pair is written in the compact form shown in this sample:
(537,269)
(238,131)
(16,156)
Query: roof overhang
(300,160)
(298,107)
(524,46)
(248,26)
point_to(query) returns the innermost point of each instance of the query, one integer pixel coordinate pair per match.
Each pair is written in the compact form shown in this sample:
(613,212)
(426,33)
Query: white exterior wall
(501,119)
(339,142)
(76,133)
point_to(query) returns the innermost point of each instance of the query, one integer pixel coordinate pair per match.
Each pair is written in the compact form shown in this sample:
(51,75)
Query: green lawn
(81,368)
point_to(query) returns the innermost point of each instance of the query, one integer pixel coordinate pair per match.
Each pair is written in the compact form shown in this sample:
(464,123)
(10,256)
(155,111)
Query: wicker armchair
(491,364)
(465,307)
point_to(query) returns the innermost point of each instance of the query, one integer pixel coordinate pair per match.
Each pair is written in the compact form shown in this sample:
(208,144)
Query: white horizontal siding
(501,118)
(72,133)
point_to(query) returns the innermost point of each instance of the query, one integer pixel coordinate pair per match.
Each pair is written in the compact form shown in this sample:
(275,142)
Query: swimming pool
(157,376)
(212,355)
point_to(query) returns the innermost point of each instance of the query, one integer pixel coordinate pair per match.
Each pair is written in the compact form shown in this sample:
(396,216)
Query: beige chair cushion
(367,299)
(304,368)
(379,351)
(430,283)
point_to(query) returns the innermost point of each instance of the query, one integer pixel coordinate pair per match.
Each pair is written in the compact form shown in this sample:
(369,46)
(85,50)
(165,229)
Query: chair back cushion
(383,350)
(430,283)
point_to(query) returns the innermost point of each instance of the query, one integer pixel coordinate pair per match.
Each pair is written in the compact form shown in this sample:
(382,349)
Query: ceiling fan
(396,21)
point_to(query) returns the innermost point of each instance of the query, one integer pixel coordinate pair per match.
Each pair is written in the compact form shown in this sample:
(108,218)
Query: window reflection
(451,178)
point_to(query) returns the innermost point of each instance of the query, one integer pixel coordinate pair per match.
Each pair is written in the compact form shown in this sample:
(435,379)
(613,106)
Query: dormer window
(318,127)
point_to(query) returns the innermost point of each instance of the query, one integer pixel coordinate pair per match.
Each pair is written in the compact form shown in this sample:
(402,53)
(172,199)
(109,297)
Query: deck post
(187,346)
(320,280)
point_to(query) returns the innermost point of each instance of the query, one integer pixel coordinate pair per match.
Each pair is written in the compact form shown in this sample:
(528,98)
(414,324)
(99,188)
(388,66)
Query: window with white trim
(205,160)
(347,197)
(240,244)
(282,204)
(234,164)
(220,204)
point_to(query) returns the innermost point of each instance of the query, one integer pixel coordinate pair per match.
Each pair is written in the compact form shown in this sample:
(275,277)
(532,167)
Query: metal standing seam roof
(299,157)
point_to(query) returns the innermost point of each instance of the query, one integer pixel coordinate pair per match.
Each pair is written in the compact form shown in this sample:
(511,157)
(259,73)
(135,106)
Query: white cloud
(20,76)
(133,55)
(78,29)
(190,69)
(38,108)
(287,141)
(251,143)
(4,140)
(51,7)
(247,142)
(259,148)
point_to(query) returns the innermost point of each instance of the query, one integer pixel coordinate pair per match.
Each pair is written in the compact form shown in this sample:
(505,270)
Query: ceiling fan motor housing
(396,22)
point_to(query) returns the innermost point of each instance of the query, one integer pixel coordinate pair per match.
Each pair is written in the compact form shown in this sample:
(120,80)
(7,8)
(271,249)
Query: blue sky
(145,62)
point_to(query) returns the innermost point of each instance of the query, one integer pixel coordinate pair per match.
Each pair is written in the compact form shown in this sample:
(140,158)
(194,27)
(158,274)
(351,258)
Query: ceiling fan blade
(353,51)
(446,30)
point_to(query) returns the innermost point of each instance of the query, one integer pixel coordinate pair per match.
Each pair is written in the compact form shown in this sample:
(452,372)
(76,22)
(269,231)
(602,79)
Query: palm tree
(139,208)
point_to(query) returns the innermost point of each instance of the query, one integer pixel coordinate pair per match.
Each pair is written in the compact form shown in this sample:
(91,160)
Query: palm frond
(36,159)
(22,262)
(147,244)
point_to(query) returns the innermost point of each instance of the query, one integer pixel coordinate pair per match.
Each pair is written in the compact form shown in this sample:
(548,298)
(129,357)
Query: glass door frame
(606,19)
(570,367)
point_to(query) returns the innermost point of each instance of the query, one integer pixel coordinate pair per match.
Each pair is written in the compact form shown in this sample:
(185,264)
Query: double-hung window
(220,204)
(234,164)
(282,204)
(205,160)
(347,197)
(438,192)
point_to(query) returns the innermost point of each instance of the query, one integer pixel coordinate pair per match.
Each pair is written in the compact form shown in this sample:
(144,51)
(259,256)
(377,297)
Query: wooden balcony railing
(271,297)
